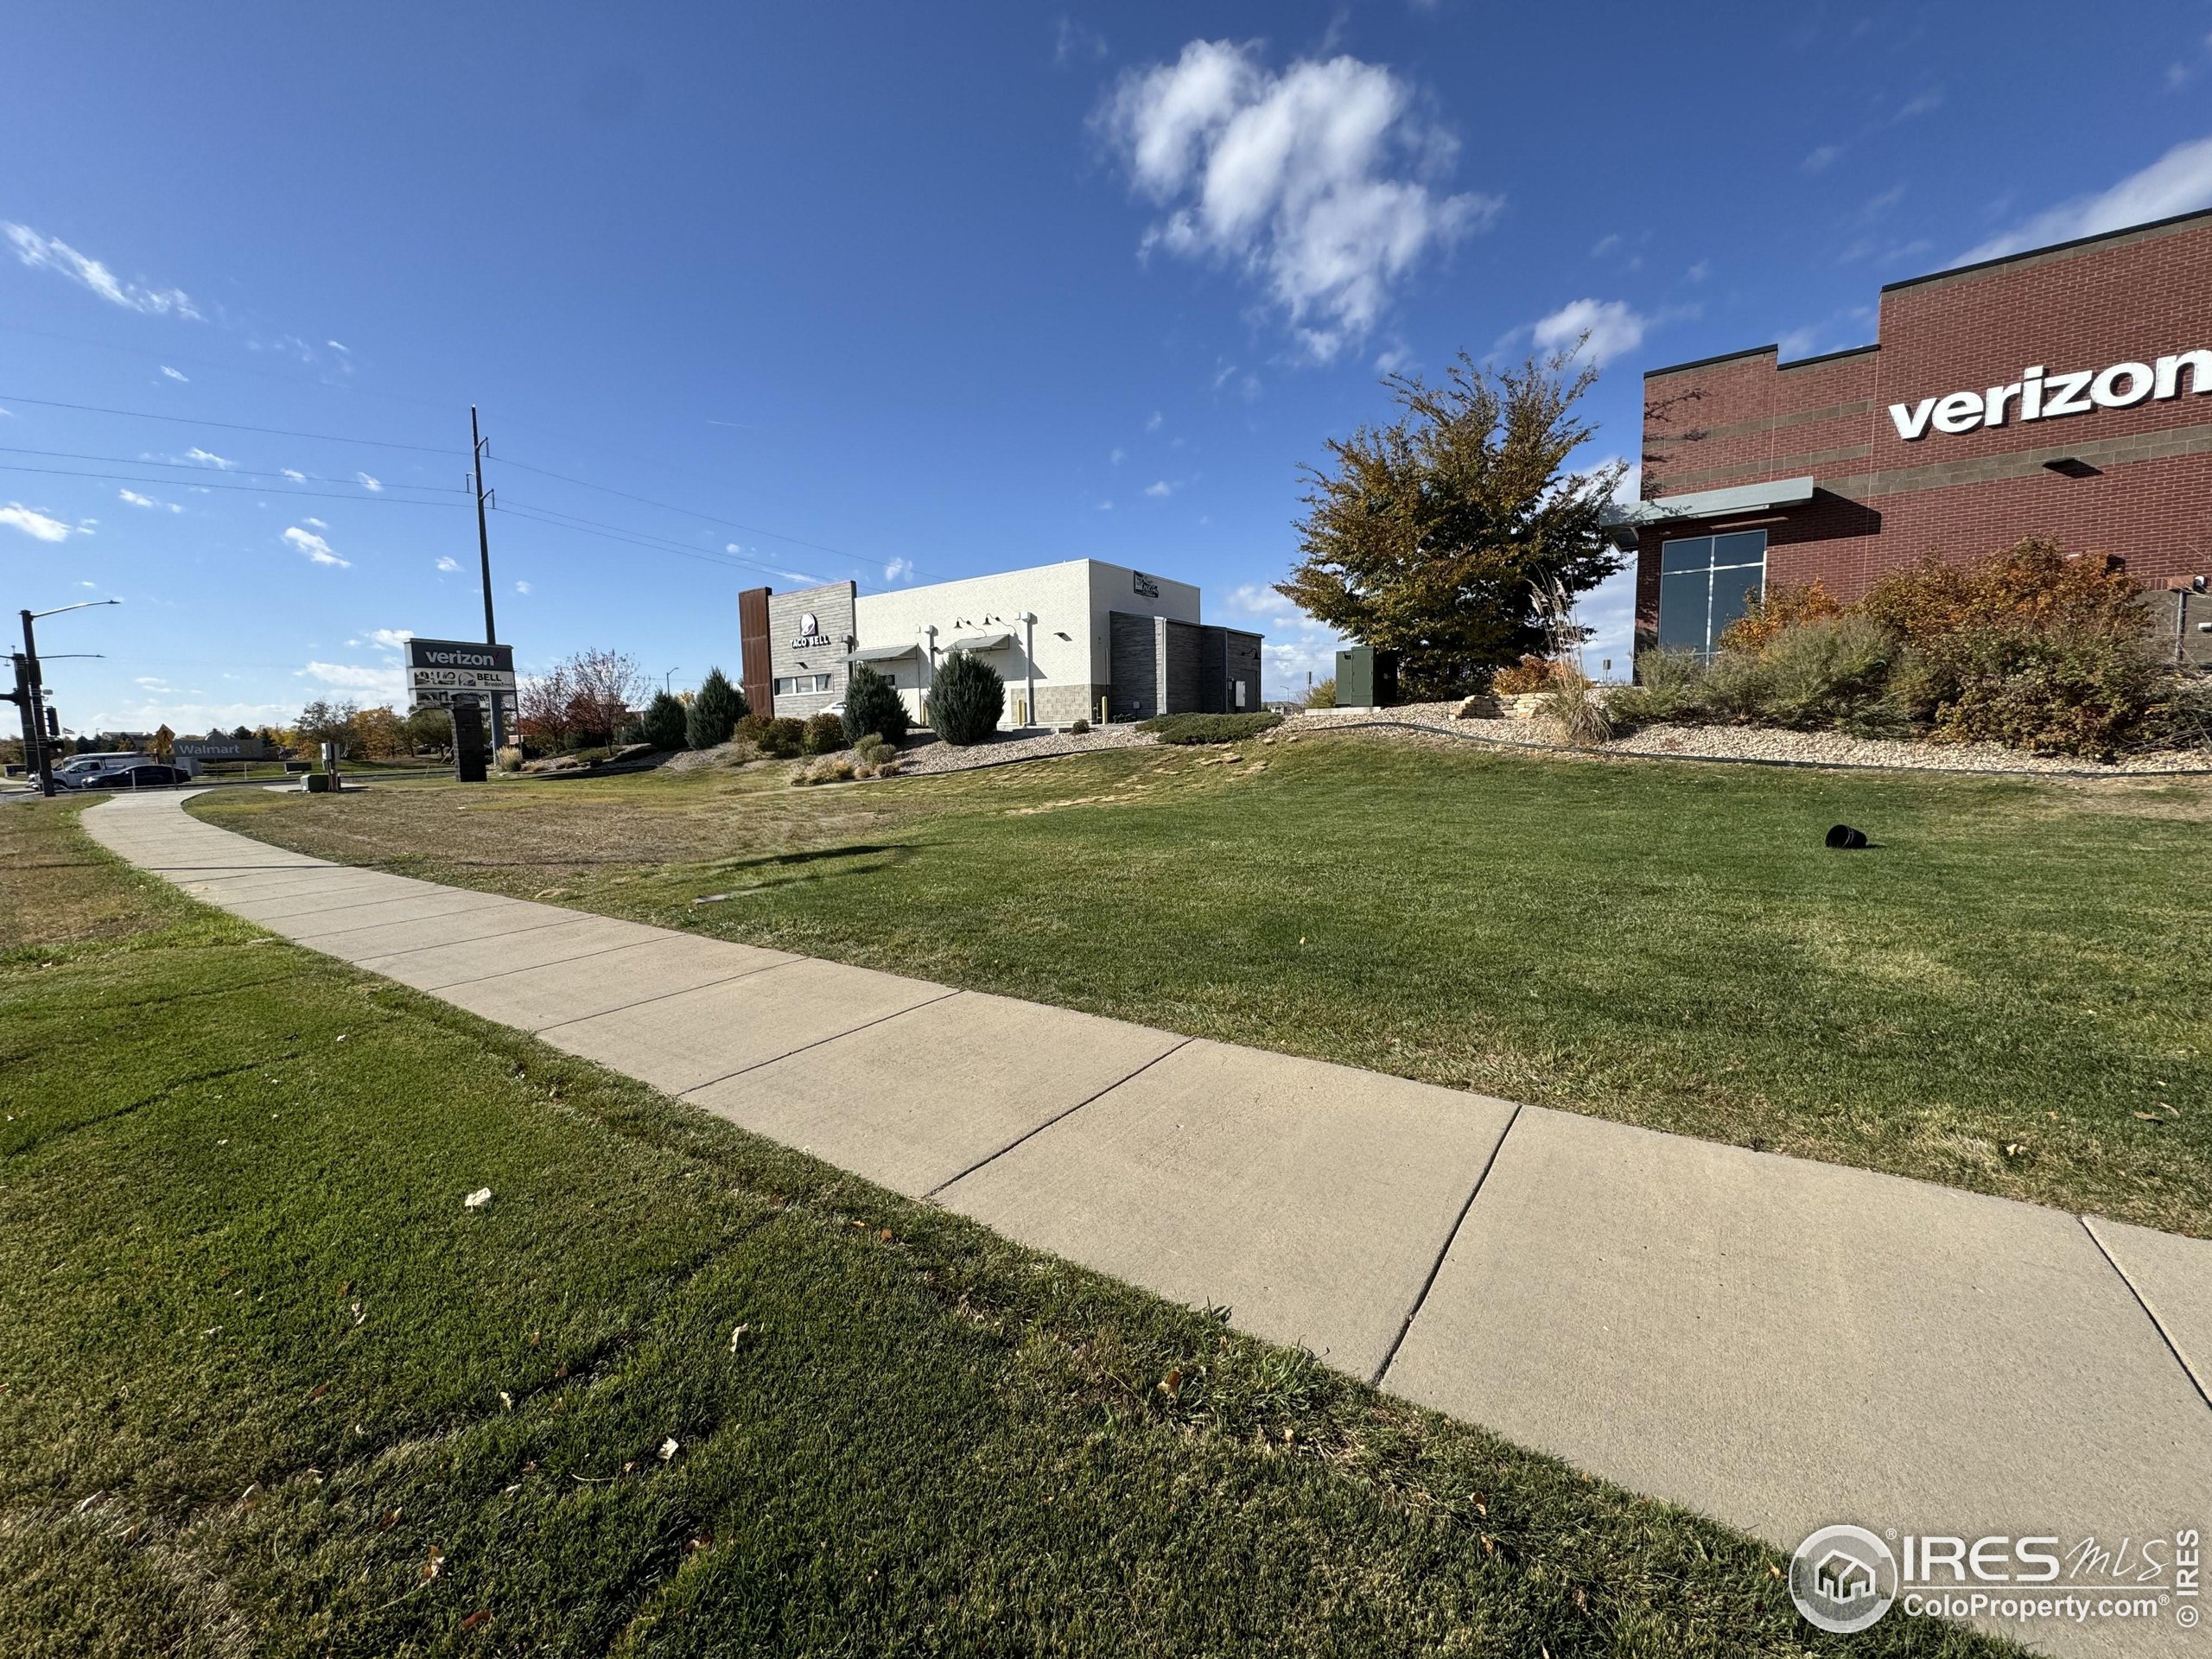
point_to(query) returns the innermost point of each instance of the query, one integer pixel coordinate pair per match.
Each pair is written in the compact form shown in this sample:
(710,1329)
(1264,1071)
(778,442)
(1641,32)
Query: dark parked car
(152,775)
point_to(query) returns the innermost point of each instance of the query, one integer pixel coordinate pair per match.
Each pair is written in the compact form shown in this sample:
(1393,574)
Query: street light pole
(668,679)
(36,753)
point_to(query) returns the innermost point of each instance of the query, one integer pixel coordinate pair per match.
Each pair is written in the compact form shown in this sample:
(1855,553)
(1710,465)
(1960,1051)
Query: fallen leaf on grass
(433,1563)
(507,1400)
(317,1391)
(475,1618)
(477,1199)
(2149,1117)
(670,1447)
(391,1520)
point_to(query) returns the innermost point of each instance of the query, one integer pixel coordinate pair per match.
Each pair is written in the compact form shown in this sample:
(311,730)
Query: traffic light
(53,725)
(21,695)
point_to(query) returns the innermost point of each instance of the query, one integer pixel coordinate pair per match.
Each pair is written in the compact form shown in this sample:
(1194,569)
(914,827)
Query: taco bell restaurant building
(2064,392)
(1081,639)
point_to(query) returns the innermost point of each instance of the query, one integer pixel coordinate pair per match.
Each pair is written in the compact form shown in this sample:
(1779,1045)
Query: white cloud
(1103,507)
(448,563)
(1296,644)
(2179,181)
(1153,425)
(335,346)
(899,570)
(32,523)
(173,375)
(46,253)
(318,524)
(1822,158)
(296,478)
(209,458)
(1258,599)
(353,677)
(1159,488)
(316,548)
(522,587)
(1613,326)
(372,484)
(1313,181)
(392,639)
(1699,271)
(152,712)
(1117,458)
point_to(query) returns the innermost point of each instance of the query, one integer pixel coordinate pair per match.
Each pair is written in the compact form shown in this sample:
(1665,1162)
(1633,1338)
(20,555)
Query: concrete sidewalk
(1779,1344)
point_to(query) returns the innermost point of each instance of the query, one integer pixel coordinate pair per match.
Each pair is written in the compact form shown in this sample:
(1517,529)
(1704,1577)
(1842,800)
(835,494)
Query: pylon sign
(442,672)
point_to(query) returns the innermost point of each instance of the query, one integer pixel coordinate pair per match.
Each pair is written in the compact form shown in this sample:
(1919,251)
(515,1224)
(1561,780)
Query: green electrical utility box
(1366,677)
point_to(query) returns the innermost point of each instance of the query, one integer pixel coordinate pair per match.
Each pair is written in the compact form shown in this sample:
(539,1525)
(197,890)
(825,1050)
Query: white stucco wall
(1071,599)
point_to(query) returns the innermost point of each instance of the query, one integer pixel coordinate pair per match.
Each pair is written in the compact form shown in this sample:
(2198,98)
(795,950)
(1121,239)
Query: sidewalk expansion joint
(1057,1117)
(308,939)
(834,1037)
(2204,1392)
(1449,1238)
(643,1001)
(556,962)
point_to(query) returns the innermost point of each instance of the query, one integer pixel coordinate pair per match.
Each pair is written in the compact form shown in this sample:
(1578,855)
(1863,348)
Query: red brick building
(2065,391)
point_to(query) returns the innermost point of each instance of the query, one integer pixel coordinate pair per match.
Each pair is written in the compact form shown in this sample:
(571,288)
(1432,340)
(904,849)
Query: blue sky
(903,293)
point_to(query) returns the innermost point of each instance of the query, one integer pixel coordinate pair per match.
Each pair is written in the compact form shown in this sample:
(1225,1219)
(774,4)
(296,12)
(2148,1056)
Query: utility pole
(37,762)
(483,554)
(37,751)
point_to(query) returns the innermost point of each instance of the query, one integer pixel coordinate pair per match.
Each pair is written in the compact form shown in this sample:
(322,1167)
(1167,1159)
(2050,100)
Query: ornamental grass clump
(1574,709)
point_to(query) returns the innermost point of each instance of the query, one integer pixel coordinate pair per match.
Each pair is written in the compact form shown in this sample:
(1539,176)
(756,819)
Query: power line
(255,489)
(689,513)
(639,538)
(198,467)
(227,426)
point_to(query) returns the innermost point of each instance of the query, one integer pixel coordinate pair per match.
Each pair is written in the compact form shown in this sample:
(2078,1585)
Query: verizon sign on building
(2036,396)
(2060,391)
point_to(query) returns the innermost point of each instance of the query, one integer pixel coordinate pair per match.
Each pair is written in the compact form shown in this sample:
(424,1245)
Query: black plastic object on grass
(1843,838)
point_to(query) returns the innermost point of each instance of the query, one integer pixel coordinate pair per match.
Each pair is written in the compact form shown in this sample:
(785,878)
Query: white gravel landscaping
(1756,743)
(929,756)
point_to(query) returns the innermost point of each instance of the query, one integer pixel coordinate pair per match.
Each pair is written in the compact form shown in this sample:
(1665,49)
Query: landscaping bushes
(1208,728)
(823,734)
(1531,673)
(2027,648)
(715,709)
(874,707)
(666,724)
(782,738)
(967,698)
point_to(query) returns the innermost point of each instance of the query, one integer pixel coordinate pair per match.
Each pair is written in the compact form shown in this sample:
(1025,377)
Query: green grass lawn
(268,1387)
(2006,993)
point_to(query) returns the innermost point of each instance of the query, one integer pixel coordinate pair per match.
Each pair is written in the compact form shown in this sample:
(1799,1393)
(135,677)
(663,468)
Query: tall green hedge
(666,725)
(715,711)
(874,707)
(967,697)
